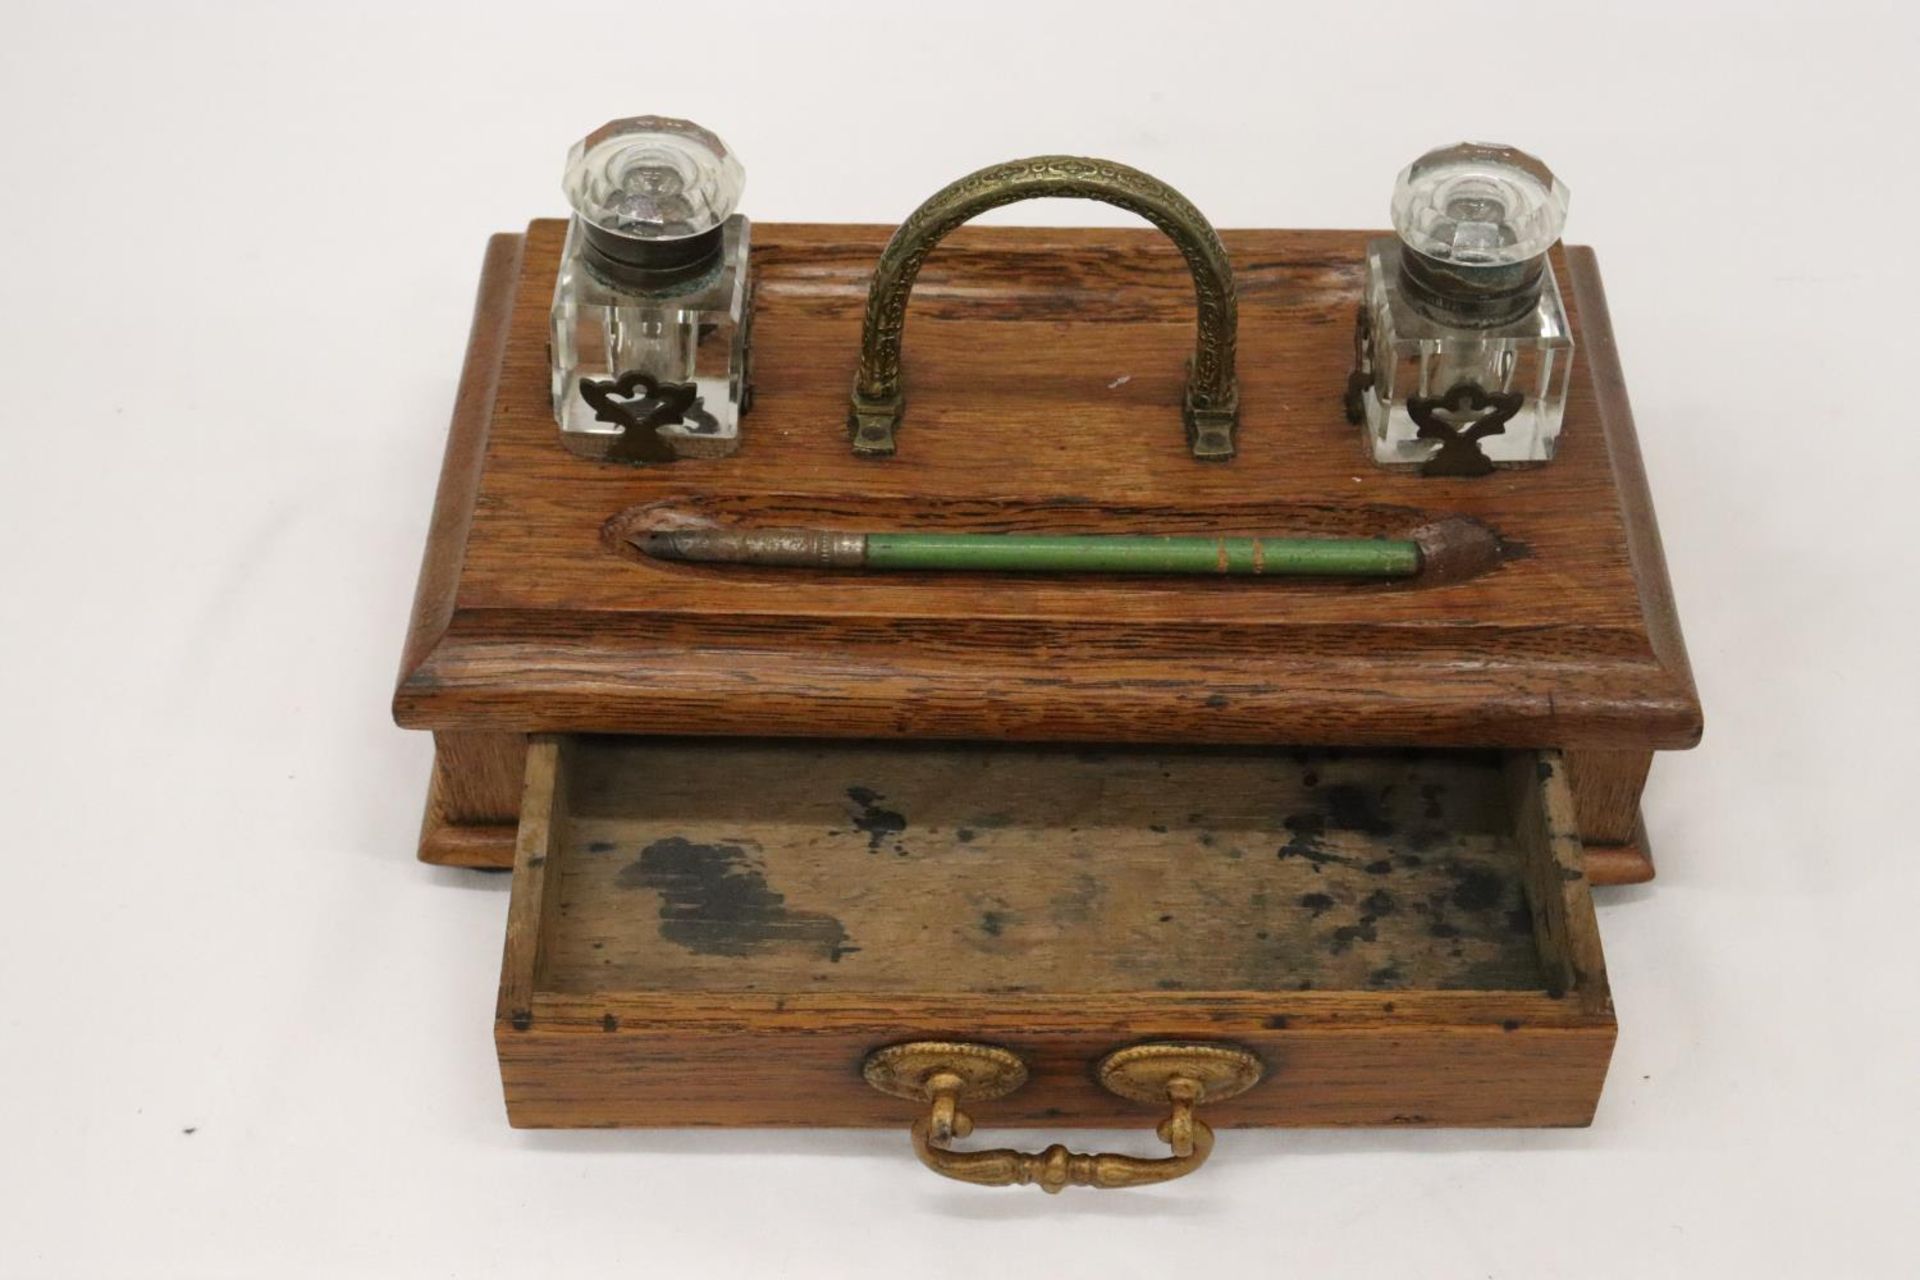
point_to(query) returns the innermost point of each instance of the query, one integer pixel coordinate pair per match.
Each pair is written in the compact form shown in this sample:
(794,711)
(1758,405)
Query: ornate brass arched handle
(1211,406)
(943,1074)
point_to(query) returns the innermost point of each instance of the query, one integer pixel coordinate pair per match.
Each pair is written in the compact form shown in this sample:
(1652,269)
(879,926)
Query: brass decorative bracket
(944,1074)
(1211,405)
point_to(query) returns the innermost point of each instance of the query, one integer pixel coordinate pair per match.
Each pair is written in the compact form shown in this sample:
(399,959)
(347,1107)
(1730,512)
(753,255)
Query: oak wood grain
(1043,383)
(627,999)
(435,595)
(1606,793)
(489,847)
(530,911)
(1331,1061)
(703,864)
(1552,867)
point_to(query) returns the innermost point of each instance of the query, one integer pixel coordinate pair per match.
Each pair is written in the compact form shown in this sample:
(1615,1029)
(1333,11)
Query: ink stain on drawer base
(715,900)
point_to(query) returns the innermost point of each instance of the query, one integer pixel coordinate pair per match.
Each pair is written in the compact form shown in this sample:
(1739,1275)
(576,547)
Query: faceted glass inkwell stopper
(1477,220)
(652,192)
(1480,204)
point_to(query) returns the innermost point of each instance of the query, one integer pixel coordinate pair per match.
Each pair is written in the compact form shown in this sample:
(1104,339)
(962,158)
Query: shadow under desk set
(1196,687)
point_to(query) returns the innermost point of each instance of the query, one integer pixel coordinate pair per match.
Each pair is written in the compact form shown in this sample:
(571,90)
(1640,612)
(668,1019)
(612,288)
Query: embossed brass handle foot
(1211,406)
(944,1074)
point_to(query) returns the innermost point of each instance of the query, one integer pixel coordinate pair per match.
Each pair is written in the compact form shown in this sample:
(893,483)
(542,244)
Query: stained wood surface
(1553,872)
(898,867)
(541,832)
(804,904)
(1043,372)
(1333,1059)
(1606,793)
(488,846)
(473,799)
(486,841)
(434,600)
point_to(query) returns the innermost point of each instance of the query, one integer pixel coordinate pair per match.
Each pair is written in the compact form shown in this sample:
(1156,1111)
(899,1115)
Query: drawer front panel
(802,1067)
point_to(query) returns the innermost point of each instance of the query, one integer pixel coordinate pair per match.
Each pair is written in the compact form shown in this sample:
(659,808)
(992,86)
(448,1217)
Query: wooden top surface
(1044,374)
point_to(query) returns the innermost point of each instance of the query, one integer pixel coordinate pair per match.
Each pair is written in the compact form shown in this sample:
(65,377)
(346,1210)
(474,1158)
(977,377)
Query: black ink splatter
(1357,809)
(879,824)
(1345,936)
(714,900)
(1477,889)
(1307,830)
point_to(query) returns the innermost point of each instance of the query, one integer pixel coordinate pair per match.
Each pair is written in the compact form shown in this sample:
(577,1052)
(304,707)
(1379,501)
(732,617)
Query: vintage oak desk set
(927,677)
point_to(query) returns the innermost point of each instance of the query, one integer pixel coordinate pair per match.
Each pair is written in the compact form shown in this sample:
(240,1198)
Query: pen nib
(788,548)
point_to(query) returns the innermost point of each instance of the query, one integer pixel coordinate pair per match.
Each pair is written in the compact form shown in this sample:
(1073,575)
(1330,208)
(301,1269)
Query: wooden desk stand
(818,847)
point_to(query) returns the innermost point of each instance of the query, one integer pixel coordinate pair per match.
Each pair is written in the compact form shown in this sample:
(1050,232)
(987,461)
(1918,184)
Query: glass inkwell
(1462,352)
(652,308)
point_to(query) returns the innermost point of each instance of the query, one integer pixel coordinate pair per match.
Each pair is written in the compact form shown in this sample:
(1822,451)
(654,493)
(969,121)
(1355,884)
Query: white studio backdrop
(243,1033)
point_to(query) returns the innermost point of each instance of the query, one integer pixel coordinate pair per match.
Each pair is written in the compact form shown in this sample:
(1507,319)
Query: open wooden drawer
(721,931)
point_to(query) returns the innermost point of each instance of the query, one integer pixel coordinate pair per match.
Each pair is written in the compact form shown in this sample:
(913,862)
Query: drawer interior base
(738,865)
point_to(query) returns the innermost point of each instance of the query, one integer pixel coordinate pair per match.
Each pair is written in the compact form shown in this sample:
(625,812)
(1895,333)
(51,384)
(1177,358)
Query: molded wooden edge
(447,842)
(1644,547)
(473,799)
(1621,864)
(460,466)
(474,847)
(699,689)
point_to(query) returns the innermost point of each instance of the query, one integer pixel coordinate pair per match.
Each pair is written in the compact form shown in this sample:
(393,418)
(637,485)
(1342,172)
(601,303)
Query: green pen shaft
(1445,550)
(1137,553)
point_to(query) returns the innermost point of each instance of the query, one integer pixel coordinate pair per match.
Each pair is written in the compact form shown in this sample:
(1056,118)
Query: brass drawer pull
(1211,405)
(944,1074)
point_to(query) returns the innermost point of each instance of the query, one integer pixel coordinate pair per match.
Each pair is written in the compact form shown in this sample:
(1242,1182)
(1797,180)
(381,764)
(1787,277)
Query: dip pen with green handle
(1443,550)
